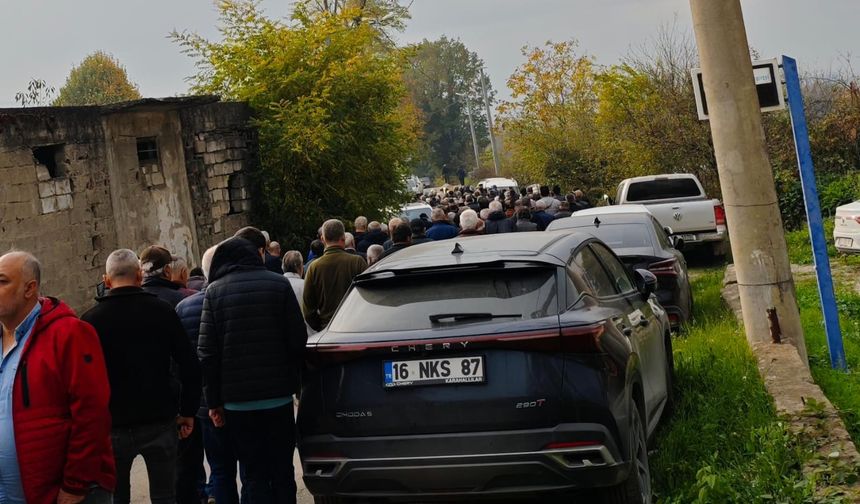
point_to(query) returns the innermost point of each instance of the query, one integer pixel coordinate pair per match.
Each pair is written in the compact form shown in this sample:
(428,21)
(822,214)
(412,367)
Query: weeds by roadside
(843,389)
(725,442)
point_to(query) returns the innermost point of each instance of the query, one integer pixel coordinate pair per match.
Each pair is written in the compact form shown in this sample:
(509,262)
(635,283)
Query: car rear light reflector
(665,268)
(720,215)
(582,339)
(570,444)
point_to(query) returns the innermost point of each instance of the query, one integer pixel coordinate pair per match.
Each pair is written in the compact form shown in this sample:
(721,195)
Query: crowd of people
(171,364)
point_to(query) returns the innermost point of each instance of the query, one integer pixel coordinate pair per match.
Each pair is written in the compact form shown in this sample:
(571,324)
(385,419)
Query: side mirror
(677,242)
(646,282)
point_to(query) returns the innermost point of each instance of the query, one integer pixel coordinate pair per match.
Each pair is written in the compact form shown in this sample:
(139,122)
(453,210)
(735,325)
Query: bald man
(55,423)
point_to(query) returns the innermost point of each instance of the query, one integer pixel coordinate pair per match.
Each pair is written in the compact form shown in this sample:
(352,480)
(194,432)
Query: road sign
(768,84)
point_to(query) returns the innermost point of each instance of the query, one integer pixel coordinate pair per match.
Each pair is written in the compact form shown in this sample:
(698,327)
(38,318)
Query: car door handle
(643,322)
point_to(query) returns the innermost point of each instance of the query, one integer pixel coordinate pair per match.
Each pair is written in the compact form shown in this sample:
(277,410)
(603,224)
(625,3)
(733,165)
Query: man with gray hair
(141,335)
(469,223)
(441,228)
(329,277)
(55,441)
(156,263)
(374,236)
(497,221)
(374,254)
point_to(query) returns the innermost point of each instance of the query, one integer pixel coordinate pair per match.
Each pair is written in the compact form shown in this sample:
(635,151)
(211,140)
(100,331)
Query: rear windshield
(407,304)
(663,189)
(622,236)
(415,213)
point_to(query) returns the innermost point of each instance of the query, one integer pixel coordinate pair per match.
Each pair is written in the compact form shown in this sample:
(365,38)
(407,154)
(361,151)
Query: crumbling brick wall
(62,215)
(221,151)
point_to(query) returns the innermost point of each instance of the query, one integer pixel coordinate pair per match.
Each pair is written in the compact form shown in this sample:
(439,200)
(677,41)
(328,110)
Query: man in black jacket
(140,334)
(497,221)
(156,264)
(251,349)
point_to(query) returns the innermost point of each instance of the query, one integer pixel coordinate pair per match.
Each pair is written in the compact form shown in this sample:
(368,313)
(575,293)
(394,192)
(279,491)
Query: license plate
(844,242)
(687,237)
(448,371)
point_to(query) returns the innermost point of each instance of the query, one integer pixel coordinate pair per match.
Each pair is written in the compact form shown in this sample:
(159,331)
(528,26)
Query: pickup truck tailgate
(685,216)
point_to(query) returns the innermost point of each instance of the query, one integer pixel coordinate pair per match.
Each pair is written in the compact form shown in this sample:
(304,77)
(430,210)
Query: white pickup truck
(679,203)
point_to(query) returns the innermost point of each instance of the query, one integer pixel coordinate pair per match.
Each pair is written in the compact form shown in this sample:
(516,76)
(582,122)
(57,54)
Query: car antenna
(596,222)
(458,249)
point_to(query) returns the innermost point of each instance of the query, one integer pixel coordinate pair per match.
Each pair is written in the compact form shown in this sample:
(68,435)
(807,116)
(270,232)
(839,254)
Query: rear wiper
(457,317)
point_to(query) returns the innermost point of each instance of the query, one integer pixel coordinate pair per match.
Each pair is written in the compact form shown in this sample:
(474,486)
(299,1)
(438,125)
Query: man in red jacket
(54,420)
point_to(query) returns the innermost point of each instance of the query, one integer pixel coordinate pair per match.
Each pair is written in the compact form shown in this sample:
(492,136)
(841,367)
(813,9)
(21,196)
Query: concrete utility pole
(490,124)
(749,195)
(472,129)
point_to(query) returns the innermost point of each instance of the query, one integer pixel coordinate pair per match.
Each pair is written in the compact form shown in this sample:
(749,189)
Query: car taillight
(664,268)
(582,339)
(857,219)
(573,339)
(571,444)
(720,215)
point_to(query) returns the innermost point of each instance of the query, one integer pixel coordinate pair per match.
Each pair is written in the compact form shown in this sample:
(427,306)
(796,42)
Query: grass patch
(800,247)
(843,389)
(725,442)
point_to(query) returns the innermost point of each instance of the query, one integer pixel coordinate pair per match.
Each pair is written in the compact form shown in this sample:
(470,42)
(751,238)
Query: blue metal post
(813,214)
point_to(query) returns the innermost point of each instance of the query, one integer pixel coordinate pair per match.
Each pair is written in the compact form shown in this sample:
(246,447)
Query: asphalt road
(140,483)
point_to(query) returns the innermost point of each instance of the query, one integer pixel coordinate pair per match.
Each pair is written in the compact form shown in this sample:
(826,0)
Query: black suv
(522,365)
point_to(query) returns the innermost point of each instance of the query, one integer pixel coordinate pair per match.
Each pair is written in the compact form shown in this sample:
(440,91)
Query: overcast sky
(45,38)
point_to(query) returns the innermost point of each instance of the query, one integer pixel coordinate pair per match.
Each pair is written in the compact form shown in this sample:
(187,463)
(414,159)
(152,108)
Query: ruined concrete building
(79,182)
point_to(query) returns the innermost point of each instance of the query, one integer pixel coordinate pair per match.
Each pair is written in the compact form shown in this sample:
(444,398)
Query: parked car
(415,210)
(678,201)
(414,185)
(632,232)
(513,366)
(846,232)
(500,183)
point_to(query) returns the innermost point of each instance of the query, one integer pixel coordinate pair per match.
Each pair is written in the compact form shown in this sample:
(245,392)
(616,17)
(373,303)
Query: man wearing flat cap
(155,262)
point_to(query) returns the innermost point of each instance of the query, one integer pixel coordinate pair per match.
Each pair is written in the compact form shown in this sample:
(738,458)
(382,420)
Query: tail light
(664,268)
(674,319)
(857,219)
(720,215)
(574,339)
(569,445)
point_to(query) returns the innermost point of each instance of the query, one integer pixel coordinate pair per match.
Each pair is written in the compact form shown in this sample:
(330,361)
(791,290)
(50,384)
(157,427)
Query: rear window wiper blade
(456,317)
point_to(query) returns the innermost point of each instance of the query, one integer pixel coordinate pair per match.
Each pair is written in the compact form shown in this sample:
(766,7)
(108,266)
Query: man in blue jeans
(251,350)
(219,454)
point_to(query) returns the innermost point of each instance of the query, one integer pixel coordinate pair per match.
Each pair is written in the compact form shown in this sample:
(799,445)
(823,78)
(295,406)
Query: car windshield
(663,189)
(400,304)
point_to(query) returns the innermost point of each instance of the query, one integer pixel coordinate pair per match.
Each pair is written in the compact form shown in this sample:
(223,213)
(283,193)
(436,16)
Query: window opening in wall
(240,200)
(52,177)
(53,158)
(148,161)
(147,151)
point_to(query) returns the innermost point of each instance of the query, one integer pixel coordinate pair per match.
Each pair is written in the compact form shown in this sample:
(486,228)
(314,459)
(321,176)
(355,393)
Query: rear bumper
(846,241)
(703,237)
(491,464)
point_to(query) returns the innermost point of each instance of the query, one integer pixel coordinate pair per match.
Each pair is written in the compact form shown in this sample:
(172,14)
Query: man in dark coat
(441,229)
(374,236)
(141,335)
(497,221)
(205,436)
(401,238)
(251,349)
(419,230)
(540,215)
(156,263)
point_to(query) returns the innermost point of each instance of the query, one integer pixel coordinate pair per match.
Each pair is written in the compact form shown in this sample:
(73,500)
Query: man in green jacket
(329,277)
